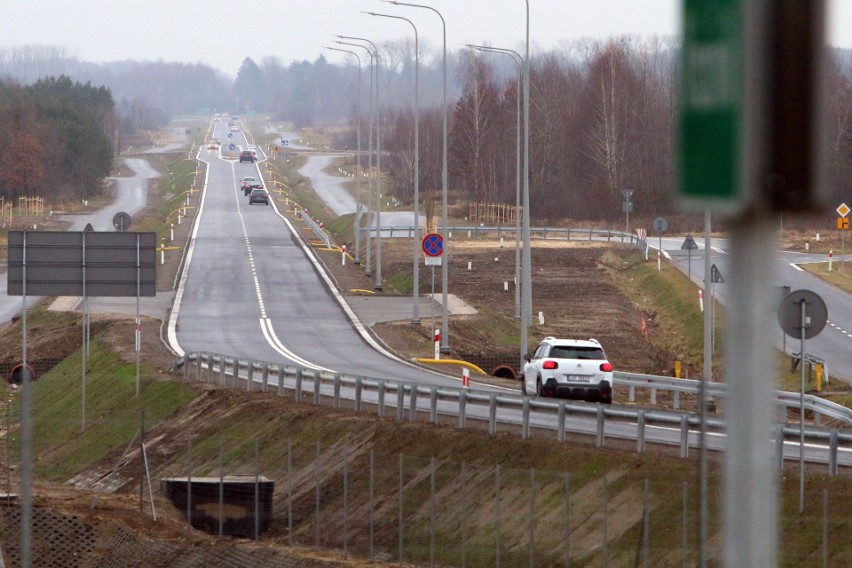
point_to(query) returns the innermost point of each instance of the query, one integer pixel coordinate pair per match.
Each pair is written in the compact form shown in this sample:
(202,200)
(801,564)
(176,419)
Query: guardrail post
(560,432)
(381,410)
(186,367)
(299,377)
(631,393)
(600,441)
(400,401)
(684,436)
(236,380)
(250,376)
(462,408)
(832,452)
(359,387)
(317,384)
(222,371)
(210,360)
(281,374)
(653,395)
(525,425)
(198,366)
(264,377)
(779,441)
(336,391)
(412,404)
(433,405)
(590,234)
(676,400)
(640,433)
(492,414)
(545,233)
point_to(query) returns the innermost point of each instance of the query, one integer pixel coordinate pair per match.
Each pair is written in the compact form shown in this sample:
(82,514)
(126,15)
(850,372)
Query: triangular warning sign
(89,228)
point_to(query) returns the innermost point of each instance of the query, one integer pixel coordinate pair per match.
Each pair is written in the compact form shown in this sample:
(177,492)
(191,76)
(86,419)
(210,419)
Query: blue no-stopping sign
(433,244)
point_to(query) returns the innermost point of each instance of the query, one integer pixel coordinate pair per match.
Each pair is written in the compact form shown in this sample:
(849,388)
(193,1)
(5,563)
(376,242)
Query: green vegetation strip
(113,411)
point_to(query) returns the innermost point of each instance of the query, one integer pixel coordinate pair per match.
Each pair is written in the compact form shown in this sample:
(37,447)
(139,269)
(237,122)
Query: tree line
(602,119)
(602,115)
(61,139)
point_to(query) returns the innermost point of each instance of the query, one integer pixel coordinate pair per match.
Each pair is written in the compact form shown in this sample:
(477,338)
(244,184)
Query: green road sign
(712,75)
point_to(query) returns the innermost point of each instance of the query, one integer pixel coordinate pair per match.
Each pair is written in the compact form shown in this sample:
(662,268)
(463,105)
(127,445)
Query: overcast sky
(222,33)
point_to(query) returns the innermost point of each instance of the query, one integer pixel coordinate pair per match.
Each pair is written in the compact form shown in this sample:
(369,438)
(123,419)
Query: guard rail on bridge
(482,231)
(494,408)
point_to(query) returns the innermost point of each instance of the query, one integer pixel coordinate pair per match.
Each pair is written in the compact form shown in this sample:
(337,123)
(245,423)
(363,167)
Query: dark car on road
(248,156)
(259,196)
(249,183)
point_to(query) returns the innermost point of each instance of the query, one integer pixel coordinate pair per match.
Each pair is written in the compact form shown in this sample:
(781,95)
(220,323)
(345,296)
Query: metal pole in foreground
(526,289)
(802,413)
(702,397)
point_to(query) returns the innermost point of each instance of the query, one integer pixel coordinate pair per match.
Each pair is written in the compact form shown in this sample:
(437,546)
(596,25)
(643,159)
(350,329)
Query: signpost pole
(804,321)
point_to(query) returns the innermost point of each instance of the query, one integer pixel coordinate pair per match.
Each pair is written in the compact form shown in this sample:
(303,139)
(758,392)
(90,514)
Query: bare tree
(472,141)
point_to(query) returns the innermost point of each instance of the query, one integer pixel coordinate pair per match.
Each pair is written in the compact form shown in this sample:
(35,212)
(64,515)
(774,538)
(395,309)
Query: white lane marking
(173,316)
(717,249)
(840,329)
(272,339)
(353,318)
(797,267)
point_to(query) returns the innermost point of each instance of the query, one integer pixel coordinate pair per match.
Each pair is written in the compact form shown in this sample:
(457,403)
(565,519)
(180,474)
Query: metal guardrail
(789,400)
(481,231)
(315,227)
(409,400)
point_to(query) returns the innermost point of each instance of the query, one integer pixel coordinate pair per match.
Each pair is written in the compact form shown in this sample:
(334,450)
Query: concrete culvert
(505,372)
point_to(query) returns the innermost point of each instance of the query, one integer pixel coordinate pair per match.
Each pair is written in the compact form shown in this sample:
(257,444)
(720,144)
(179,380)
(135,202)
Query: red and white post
(466,377)
(701,300)
(830,254)
(437,344)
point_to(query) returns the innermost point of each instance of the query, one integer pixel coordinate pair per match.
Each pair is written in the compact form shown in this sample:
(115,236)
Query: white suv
(569,368)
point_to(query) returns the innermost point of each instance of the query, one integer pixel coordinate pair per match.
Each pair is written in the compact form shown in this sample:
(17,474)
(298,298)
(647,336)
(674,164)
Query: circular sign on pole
(433,244)
(790,314)
(121,221)
(660,225)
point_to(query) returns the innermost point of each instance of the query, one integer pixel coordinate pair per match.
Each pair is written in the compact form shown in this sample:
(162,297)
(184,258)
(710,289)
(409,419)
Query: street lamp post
(368,268)
(519,60)
(526,286)
(358,162)
(415,318)
(378,62)
(445,331)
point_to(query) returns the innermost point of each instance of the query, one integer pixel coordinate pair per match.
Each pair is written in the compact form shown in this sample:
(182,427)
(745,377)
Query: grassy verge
(840,275)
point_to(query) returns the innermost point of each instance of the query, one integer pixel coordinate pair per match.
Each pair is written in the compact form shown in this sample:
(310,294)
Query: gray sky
(222,33)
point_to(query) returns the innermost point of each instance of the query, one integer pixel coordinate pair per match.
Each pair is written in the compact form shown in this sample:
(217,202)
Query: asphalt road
(253,289)
(131,196)
(833,344)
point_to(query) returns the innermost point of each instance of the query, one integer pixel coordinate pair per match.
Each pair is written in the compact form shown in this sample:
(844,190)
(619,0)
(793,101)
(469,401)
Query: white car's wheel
(538,387)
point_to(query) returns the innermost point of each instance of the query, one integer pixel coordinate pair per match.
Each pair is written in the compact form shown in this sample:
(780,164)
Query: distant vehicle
(213,145)
(568,368)
(235,128)
(248,156)
(259,196)
(249,183)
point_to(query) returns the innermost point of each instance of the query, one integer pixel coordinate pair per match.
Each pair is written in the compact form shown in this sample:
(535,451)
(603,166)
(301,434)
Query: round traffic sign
(433,244)
(660,225)
(121,221)
(790,314)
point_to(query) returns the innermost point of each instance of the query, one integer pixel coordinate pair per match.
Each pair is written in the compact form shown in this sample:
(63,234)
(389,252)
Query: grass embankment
(534,475)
